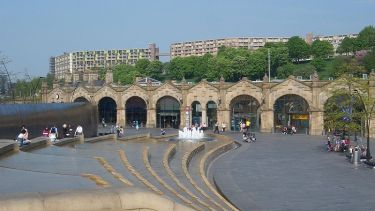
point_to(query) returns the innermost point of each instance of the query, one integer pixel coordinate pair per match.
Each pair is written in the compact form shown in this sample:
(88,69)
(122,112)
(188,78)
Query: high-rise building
(82,60)
(201,47)
(335,40)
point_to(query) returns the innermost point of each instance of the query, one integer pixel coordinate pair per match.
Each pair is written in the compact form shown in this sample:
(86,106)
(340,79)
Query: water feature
(191,134)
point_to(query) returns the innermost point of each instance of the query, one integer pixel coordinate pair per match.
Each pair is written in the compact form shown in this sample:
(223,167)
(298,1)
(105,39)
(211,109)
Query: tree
(369,61)
(366,38)
(285,70)
(154,70)
(347,46)
(346,65)
(351,104)
(319,64)
(322,49)
(298,49)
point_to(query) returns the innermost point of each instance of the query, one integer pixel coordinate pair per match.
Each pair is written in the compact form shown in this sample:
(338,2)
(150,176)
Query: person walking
(216,128)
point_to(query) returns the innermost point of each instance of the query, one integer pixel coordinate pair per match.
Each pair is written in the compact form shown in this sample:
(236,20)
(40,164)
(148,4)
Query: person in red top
(45,132)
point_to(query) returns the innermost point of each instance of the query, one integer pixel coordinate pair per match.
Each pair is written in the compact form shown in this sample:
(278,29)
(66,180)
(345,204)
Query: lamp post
(368,116)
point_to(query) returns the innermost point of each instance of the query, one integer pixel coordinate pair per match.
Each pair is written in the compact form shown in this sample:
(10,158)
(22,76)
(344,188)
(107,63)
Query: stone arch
(136,111)
(291,110)
(168,112)
(107,109)
(244,108)
(80,92)
(132,91)
(81,99)
(243,87)
(106,92)
(202,92)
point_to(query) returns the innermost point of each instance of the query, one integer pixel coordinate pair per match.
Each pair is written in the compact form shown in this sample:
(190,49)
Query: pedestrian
(136,125)
(53,134)
(21,138)
(45,132)
(26,134)
(223,126)
(103,123)
(65,130)
(216,128)
(79,130)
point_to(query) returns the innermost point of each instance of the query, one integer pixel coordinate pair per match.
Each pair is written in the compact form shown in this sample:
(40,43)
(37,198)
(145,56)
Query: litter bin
(356,155)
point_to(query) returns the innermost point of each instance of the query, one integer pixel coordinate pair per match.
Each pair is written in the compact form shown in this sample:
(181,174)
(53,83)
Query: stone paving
(278,172)
(284,172)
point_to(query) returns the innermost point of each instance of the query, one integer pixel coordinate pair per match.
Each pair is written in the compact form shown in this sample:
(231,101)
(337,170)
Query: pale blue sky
(32,31)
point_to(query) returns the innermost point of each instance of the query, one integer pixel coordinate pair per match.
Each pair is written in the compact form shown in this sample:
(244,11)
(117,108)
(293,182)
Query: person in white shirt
(79,130)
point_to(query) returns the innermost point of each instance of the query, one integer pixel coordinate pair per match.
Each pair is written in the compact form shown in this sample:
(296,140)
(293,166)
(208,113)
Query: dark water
(36,117)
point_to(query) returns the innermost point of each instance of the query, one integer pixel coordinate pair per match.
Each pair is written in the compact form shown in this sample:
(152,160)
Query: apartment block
(201,47)
(84,60)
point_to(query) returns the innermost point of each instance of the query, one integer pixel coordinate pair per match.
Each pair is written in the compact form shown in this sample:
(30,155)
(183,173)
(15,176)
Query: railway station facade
(268,105)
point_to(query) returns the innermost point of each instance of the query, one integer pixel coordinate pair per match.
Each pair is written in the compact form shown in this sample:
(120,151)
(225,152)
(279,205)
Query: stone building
(268,105)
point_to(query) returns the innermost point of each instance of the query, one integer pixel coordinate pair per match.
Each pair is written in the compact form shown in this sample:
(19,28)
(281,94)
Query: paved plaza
(278,172)
(284,172)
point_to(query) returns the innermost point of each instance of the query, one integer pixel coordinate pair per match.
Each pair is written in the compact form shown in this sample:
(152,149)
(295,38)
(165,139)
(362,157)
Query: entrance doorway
(136,112)
(244,108)
(196,113)
(107,110)
(167,113)
(211,114)
(291,110)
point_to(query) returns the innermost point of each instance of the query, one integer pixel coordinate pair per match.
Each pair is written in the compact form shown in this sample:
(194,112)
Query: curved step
(99,181)
(127,164)
(203,167)
(113,172)
(163,183)
(185,166)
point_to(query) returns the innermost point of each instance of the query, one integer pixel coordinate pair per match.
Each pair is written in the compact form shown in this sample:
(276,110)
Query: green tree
(347,65)
(298,49)
(125,74)
(351,104)
(285,70)
(369,61)
(366,38)
(347,46)
(322,49)
(319,64)
(154,70)
(141,65)
(257,64)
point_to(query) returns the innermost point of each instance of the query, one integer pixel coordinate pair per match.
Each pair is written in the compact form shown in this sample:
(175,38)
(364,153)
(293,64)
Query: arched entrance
(81,100)
(167,113)
(291,110)
(211,114)
(135,111)
(243,108)
(196,113)
(343,115)
(108,110)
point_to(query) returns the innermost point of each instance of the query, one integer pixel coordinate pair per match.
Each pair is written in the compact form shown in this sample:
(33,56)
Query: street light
(368,116)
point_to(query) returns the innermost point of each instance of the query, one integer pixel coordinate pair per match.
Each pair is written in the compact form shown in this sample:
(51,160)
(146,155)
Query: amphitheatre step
(194,171)
(100,150)
(179,176)
(157,162)
(134,158)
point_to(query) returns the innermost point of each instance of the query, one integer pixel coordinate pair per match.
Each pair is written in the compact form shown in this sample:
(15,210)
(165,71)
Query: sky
(33,31)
